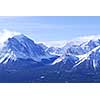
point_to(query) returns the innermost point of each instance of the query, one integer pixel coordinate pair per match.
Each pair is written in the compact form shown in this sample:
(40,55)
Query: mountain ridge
(20,56)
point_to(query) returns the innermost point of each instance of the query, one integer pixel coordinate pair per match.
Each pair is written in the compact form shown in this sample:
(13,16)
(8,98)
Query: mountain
(77,46)
(81,56)
(88,46)
(23,60)
(20,50)
(75,50)
(66,61)
(54,50)
(43,46)
(89,61)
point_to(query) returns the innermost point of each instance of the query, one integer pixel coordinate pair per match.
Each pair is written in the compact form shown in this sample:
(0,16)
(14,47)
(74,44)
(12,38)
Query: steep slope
(21,47)
(43,46)
(89,62)
(65,61)
(85,56)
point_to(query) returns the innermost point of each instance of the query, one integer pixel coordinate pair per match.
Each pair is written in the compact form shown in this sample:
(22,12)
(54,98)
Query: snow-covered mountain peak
(18,46)
(20,37)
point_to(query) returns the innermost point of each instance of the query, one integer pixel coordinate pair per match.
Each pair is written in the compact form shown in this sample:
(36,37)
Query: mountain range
(23,60)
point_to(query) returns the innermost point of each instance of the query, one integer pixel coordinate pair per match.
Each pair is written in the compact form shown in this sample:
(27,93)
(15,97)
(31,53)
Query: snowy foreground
(23,60)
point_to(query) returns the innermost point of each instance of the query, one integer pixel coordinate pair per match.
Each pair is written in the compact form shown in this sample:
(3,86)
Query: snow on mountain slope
(55,51)
(43,46)
(19,46)
(78,46)
(90,45)
(65,58)
(88,56)
(82,45)
(61,58)
(86,51)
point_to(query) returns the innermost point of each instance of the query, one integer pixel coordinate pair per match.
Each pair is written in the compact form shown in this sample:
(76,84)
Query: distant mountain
(54,50)
(89,62)
(84,56)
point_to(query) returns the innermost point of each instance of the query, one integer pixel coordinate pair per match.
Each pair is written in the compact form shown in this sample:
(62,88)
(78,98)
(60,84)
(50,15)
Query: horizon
(5,34)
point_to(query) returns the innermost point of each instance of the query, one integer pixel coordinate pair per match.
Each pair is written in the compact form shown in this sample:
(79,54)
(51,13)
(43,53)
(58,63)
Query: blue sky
(52,28)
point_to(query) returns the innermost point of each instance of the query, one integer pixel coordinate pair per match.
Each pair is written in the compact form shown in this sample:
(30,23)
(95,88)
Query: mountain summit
(82,55)
(21,47)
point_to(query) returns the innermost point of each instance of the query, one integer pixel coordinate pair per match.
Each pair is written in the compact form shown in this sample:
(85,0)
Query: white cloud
(89,37)
(5,34)
(78,40)
(60,43)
